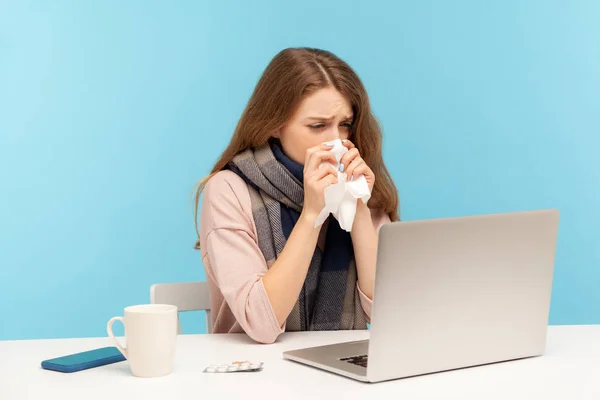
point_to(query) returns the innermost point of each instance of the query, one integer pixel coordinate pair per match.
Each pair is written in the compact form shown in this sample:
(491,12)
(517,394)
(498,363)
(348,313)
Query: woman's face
(322,116)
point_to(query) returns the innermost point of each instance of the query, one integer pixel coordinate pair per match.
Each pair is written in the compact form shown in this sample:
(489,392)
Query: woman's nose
(333,134)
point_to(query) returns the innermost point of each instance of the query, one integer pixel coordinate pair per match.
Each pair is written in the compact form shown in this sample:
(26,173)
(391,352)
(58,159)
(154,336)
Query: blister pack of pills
(237,366)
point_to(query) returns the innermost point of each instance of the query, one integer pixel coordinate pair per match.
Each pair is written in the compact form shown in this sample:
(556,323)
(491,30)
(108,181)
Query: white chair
(187,296)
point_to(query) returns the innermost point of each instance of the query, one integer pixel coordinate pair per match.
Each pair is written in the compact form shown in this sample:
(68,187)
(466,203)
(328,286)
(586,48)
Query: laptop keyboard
(361,361)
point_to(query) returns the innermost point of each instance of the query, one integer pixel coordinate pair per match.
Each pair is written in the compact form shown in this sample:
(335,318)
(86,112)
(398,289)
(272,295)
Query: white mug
(151,335)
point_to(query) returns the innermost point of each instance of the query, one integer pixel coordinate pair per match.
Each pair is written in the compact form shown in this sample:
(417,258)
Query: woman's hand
(355,166)
(317,177)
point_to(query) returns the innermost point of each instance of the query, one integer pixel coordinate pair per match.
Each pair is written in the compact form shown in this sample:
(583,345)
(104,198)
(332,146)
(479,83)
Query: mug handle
(109,325)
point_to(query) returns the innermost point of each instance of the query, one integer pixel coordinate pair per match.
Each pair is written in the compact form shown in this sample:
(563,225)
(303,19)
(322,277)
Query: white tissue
(341,197)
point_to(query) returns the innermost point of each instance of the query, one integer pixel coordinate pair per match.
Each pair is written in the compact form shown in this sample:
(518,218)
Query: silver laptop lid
(460,292)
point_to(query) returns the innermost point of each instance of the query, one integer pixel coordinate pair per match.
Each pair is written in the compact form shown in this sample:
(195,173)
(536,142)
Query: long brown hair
(290,76)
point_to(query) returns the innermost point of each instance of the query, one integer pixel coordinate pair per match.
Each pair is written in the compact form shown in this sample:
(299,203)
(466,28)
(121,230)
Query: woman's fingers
(312,150)
(323,171)
(316,158)
(327,180)
(348,144)
(348,158)
(354,168)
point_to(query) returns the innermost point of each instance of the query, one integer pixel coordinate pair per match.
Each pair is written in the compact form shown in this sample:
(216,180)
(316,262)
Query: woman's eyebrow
(327,118)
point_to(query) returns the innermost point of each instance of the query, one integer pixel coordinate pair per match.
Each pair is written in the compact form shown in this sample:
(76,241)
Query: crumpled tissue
(341,197)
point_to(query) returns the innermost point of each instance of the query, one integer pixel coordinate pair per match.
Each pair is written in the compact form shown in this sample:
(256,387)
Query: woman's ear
(277,134)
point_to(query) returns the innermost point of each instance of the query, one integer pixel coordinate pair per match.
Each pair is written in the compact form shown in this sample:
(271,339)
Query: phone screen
(87,356)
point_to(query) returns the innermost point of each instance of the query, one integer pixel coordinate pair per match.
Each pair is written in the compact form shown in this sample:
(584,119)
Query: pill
(236,366)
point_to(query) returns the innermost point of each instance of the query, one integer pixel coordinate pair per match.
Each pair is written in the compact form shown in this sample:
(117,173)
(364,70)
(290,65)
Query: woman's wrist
(362,220)
(362,210)
(308,217)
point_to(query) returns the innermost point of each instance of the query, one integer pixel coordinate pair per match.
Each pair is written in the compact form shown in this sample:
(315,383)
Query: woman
(269,268)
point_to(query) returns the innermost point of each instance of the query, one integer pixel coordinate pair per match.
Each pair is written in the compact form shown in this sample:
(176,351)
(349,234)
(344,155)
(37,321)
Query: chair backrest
(187,296)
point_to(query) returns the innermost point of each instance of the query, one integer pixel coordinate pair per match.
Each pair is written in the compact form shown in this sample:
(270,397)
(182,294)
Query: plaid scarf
(329,298)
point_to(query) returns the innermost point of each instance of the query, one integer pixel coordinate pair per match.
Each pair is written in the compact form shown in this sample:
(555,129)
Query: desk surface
(569,370)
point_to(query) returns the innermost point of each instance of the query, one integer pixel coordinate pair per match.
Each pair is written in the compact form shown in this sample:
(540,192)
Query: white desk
(569,370)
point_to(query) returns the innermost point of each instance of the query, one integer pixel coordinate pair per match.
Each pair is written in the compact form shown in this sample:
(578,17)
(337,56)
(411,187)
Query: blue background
(111,111)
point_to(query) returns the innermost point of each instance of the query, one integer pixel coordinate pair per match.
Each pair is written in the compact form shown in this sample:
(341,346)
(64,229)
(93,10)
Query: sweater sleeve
(233,258)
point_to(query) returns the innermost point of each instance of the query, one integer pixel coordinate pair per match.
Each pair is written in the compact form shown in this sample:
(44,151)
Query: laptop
(452,293)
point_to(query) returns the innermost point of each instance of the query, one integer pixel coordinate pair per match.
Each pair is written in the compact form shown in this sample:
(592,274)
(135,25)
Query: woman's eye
(317,126)
(347,125)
